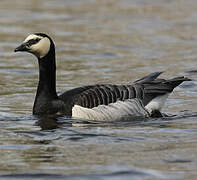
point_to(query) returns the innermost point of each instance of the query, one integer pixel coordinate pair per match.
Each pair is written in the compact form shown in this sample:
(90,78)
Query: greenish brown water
(99,41)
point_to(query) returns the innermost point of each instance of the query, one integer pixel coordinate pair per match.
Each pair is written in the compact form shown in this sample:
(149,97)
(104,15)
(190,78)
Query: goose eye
(32,41)
(37,40)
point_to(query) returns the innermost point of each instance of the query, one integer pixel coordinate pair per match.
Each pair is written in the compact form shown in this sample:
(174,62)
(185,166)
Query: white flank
(41,48)
(157,103)
(121,110)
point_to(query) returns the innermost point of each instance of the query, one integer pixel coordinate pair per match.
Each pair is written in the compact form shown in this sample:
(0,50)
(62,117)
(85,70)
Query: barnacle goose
(103,102)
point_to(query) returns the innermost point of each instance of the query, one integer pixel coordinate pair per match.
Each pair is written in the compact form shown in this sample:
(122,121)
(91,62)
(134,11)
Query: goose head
(38,44)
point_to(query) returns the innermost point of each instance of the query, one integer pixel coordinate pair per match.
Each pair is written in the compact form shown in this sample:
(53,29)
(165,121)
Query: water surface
(98,41)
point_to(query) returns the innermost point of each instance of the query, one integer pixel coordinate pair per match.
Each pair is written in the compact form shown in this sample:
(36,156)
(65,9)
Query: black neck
(47,76)
(46,90)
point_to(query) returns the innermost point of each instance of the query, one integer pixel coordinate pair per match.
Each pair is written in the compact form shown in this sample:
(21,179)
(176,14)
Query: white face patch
(41,48)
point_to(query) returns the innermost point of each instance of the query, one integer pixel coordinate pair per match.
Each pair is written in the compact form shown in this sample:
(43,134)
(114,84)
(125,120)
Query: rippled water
(99,41)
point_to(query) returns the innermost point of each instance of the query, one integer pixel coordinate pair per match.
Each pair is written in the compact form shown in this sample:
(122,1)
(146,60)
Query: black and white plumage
(104,102)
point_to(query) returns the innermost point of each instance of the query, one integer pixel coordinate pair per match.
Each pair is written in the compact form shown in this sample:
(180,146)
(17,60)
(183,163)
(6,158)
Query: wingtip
(149,77)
